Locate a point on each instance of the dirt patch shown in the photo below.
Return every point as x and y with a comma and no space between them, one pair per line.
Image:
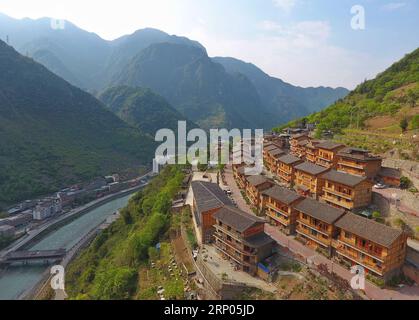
182,254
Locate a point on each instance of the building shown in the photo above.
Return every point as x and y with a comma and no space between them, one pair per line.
311,150
208,198
358,162
327,154
47,208
255,185
308,179
7,231
346,191
286,168
240,175
19,221
270,160
300,149
277,204
315,223
240,237
295,139
381,250
390,176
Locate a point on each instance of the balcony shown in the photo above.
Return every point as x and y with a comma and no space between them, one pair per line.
351,164
316,238
340,203
233,256
235,246
363,250
366,263
339,193
278,217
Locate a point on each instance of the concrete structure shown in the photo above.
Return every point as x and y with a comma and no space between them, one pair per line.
47,208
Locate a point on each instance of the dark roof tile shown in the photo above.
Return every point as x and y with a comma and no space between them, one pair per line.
319,210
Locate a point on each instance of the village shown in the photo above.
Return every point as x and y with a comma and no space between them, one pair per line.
313,209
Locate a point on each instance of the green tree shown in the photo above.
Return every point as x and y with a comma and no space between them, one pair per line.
404,124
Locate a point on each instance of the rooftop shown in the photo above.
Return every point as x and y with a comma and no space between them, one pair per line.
282,194
208,196
369,229
343,178
329,145
257,180
390,172
258,240
357,154
311,168
237,219
320,211
276,152
289,159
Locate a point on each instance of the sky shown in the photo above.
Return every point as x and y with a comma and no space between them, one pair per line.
303,42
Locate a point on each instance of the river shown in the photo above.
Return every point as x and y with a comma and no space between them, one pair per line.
17,279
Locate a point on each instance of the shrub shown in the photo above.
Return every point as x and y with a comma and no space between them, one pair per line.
405,183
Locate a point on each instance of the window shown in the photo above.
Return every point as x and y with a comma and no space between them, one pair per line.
347,235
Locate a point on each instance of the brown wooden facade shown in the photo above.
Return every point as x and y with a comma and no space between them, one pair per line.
327,154
346,191
358,162
286,168
308,177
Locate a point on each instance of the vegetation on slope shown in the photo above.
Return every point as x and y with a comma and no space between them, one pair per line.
142,108
110,267
53,134
395,90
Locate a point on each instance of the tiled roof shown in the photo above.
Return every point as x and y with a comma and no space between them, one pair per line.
209,196
311,168
368,229
329,145
257,180
281,194
258,240
237,219
320,211
289,159
276,152
343,178
357,154
389,172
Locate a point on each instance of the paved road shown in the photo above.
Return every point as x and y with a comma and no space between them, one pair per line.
310,255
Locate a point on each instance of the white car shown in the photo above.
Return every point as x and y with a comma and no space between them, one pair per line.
380,186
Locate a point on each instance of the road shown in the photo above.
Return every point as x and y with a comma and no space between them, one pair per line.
32,234
311,256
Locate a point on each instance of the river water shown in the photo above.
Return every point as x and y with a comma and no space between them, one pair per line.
17,279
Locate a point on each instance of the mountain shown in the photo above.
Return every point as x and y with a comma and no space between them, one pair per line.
195,86
54,134
219,92
280,96
142,108
393,95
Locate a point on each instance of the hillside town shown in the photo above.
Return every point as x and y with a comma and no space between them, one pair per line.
314,194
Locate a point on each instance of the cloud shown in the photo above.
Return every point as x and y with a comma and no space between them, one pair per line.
285,5
393,6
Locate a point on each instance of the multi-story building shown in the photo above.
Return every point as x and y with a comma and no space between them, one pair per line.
255,185
272,158
277,204
381,250
240,237
315,223
295,139
240,176
346,191
327,154
208,198
390,176
308,179
47,208
358,162
300,149
311,150
286,168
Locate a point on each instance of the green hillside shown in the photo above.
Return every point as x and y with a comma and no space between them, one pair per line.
142,108
393,93
53,134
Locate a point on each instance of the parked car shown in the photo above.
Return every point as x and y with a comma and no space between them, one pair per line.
380,186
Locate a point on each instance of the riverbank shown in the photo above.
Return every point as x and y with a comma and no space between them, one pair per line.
34,235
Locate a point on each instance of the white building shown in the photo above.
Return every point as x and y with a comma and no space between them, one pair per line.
47,208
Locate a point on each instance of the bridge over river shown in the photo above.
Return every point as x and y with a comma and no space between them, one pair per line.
28,256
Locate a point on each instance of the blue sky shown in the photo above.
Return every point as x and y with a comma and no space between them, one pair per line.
304,42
